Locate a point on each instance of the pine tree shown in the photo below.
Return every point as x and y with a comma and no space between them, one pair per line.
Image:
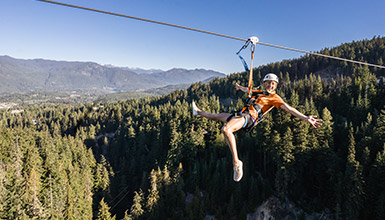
35,207
32,175
379,130
69,211
285,166
53,190
354,183
153,196
15,185
127,216
102,175
3,190
175,153
264,130
136,209
374,206
326,130
87,194
104,213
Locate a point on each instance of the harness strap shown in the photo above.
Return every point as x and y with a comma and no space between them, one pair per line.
263,115
253,41
244,63
241,58
244,125
251,70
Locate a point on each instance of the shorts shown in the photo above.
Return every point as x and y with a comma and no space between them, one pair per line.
249,121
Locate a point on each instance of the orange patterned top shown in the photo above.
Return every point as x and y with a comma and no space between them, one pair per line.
265,102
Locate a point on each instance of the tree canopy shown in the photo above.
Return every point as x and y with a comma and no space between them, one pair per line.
150,158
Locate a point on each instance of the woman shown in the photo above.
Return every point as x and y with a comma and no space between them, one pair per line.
255,107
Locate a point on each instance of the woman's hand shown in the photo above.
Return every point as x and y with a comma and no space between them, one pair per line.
312,119
242,88
237,86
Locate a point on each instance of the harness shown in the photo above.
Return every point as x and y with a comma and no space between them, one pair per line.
250,101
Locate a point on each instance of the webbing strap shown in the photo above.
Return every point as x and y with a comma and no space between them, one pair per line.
264,113
253,41
244,63
251,70
241,58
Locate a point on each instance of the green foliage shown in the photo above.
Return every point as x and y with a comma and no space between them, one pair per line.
104,213
150,159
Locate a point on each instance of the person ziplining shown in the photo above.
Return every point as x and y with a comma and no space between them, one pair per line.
260,102
257,104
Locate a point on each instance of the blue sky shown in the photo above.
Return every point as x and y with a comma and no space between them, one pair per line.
32,29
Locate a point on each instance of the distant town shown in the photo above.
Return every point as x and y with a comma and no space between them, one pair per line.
7,105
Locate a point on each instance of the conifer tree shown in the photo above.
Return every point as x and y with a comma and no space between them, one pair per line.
264,137
175,153
354,184
3,191
104,211
69,211
326,131
136,209
87,195
32,167
34,206
376,189
102,175
379,130
53,190
15,185
285,165
127,216
153,196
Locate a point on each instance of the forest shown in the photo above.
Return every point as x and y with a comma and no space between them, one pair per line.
150,158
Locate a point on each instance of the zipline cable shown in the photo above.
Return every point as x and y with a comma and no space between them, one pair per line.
119,200
141,19
117,196
211,33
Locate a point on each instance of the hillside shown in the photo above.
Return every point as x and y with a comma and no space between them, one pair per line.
40,75
151,159
183,76
371,51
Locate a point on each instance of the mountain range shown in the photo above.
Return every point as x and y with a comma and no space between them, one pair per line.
38,75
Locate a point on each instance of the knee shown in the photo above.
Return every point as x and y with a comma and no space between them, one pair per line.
225,130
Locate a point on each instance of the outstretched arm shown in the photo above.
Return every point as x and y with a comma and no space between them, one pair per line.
242,88
312,119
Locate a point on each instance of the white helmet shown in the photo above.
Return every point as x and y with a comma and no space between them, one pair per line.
270,76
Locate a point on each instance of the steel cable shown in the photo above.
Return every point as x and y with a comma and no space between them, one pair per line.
211,33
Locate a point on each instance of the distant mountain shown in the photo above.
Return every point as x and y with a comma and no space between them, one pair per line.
183,76
19,75
139,70
177,75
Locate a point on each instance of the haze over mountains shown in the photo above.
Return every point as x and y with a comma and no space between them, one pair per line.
36,75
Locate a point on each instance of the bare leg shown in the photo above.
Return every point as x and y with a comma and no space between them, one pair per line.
214,116
235,124
228,130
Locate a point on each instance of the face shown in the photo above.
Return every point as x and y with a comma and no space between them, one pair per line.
270,86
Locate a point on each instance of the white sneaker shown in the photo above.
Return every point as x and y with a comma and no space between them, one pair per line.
194,108
238,171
